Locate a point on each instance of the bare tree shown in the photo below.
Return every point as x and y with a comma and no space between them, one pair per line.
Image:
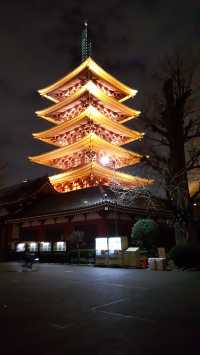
129,197
172,122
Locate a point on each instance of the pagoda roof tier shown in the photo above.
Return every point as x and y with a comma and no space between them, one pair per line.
89,120
77,78
89,148
94,174
88,96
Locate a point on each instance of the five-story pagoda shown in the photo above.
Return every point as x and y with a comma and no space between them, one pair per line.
88,115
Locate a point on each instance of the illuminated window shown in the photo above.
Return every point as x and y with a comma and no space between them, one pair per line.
45,246
20,247
60,246
33,247
101,244
114,243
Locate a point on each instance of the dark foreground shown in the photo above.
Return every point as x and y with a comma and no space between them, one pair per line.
87,310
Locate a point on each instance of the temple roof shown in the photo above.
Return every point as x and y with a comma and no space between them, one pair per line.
23,191
98,172
66,203
98,118
81,201
94,68
90,143
94,91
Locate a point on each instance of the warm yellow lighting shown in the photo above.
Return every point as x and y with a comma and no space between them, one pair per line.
93,90
89,64
94,144
100,171
98,118
88,113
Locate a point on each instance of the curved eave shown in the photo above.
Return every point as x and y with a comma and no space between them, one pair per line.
101,171
92,89
92,140
97,70
98,118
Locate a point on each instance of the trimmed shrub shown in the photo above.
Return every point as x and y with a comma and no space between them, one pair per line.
145,233
186,255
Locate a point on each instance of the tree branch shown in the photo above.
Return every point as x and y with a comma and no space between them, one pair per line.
161,141
192,136
159,130
192,167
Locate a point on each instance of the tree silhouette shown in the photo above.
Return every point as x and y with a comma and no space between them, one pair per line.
172,121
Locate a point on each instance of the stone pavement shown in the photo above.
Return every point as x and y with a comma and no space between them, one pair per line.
65,309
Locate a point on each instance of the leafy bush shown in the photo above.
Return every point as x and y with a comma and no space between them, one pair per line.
185,255
145,233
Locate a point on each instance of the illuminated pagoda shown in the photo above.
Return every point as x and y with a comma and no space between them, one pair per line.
88,113
59,217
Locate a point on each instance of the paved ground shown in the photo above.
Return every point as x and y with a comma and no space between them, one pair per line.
86,310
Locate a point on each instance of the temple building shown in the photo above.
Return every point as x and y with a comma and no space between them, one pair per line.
68,209
54,223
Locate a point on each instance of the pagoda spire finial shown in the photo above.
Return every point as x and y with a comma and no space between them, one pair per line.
86,44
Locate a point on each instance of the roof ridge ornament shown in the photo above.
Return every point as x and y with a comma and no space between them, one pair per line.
86,44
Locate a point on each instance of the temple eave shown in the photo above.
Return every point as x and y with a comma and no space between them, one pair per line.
90,65
94,174
88,148
91,89
94,117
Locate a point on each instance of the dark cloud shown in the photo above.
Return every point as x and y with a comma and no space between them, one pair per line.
40,42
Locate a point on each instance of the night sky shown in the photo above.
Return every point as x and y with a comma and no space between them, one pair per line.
40,43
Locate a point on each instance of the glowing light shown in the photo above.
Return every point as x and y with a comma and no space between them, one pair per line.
101,244
105,160
45,246
33,247
60,246
20,247
114,243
